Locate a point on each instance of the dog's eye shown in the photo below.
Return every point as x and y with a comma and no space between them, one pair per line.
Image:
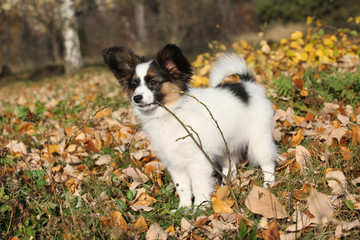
152,83
134,84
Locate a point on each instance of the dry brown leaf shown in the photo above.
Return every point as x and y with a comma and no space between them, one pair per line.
272,232
301,221
102,159
135,174
338,187
17,147
337,133
343,227
263,202
302,156
223,192
200,221
355,181
320,207
186,225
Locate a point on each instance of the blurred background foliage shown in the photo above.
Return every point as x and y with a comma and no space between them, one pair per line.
31,35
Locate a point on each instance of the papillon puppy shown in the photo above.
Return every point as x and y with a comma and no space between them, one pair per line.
241,110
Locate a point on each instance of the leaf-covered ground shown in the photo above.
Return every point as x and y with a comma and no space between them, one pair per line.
74,164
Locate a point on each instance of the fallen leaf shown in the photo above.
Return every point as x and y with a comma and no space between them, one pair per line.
337,133
144,200
296,140
302,156
301,221
140,225
102,159
263,202
223,192
338,187
186,225
272,232
343,227
222,206
320,207
117,218
135,174
17,147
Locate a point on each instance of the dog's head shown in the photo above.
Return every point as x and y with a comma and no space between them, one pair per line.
150,82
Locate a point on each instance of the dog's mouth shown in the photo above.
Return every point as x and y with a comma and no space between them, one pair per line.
146,106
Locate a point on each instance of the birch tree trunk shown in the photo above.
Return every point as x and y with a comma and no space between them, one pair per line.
142,35
72,54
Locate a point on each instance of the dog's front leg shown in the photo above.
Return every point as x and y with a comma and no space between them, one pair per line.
202,180
182,182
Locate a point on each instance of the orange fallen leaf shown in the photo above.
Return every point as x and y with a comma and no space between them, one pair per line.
296,140
144,200
140,225
304,92
272,232
355,134
221,206
298,119
170,229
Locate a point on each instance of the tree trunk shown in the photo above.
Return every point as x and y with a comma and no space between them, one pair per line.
72,54
142,36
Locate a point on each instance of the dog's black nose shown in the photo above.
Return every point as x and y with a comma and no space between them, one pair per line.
138,98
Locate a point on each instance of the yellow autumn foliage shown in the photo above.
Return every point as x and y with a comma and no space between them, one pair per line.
314,48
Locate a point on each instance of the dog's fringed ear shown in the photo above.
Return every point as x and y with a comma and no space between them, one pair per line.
173,61
122,62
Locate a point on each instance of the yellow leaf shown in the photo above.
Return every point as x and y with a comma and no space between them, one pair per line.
298,119
309,20
357,20
296,140
304,92
319,23
221,206
244,44
309,47
294,45
328,42
296,35
302,56
54,149
283,41
265,48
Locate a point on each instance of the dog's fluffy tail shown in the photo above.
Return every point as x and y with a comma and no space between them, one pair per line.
227,65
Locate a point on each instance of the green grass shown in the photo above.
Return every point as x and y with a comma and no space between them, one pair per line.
34,205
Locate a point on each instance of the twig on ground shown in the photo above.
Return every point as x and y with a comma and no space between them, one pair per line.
69,140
